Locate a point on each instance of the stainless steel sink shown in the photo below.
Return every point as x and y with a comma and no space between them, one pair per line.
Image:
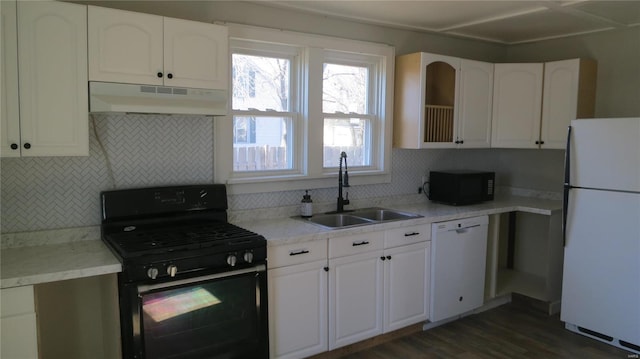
359,217
383,214
338,220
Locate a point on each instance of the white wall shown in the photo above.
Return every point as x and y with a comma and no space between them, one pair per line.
618,56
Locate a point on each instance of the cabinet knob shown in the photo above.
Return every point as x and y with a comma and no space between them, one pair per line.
159,74
389,257
170,75
27,145
383,258
542,142
14,146
461,141
326,269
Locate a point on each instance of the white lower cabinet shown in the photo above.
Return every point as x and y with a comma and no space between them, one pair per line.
19,329
325,295
355,298
406,286
297,280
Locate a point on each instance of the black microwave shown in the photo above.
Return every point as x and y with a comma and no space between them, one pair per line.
461,187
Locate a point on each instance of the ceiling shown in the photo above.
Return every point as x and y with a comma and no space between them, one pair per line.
506,22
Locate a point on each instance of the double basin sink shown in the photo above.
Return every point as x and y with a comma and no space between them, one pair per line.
359,217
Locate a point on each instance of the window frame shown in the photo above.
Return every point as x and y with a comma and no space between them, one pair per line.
312,52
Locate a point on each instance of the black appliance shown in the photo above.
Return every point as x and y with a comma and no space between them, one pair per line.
461,187
192,285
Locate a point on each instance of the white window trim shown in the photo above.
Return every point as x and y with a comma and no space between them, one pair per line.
314,176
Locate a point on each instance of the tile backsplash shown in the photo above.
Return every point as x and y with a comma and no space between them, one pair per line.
128,151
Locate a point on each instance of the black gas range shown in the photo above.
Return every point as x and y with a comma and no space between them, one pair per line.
192,284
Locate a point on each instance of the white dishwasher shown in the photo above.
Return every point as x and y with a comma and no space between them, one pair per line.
458,257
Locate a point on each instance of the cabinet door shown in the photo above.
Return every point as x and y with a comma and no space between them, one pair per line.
125,46
560,102
9,110
406,286
298,310
517,100
52,53
441,83
355,298
19,333
476,102
195,54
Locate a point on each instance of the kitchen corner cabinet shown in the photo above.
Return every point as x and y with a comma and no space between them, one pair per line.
51,92
442,102
517,104
534,103
137,48
297,280
19,327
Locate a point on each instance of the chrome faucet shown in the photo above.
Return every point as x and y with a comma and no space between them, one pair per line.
343,181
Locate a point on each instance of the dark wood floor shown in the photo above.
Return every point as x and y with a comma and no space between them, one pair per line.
509,331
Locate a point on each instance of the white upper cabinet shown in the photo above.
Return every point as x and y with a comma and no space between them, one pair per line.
10,114
52,80
195,54
534,103
442,102
569,93
517,99
476,102
138,48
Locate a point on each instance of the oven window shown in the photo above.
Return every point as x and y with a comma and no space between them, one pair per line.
203,319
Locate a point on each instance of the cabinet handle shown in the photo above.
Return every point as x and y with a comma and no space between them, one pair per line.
14,146
542,142
159,74
27,145
303,251
169,75
355,244
412,234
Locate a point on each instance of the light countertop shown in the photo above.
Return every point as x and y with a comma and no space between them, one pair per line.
29,258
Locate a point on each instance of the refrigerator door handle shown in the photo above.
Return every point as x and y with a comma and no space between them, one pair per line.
567,187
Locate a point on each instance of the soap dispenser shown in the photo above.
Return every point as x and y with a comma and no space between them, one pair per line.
306,208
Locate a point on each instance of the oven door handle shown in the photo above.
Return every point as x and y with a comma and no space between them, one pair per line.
143,288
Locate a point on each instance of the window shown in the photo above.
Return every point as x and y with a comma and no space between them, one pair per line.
298,101
261,103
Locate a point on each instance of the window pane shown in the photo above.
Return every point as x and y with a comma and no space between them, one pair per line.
348,135
262,143
344,89
260,82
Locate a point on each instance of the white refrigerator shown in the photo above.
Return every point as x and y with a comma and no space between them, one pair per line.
601,276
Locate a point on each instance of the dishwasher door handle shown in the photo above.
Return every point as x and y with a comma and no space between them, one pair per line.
465,229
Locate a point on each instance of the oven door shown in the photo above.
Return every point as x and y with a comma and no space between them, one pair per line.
221,315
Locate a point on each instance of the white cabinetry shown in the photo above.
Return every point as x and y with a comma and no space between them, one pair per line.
10,113
406,283
52,80
517,99
297,280
18,317
569,93
534,103
378,282
442,102
355,288
138,48
458,272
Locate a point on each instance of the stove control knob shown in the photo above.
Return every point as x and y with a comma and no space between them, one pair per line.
231,260
248,257
172,270
152,272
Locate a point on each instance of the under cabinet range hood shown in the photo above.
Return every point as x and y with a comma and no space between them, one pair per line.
130,98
